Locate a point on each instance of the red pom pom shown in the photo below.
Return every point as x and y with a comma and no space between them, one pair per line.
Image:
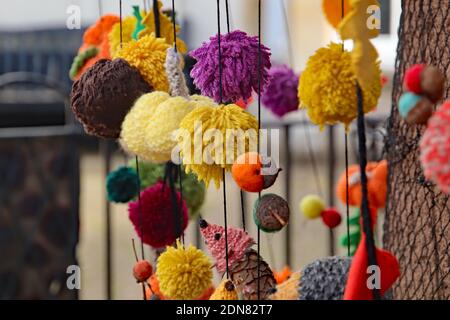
412,80
142,270
158,225
331,217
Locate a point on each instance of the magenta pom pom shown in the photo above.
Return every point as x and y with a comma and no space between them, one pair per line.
280,95
239,67
158,225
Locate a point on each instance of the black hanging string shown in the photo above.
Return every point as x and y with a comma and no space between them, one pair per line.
365,209
307,133
228,15
223,170
347,205
157,21
174,25
120,25
258,146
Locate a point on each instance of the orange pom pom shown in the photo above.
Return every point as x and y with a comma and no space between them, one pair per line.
376,186
333,10
283,275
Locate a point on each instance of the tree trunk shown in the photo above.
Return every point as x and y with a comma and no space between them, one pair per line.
417,226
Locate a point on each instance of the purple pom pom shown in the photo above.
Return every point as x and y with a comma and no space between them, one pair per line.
280,95
239,67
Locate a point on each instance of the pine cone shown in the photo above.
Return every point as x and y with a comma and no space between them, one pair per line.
244,274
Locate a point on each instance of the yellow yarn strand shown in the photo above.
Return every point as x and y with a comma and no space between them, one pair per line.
183,274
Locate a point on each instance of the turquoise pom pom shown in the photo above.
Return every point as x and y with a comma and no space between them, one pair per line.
407,101
122,185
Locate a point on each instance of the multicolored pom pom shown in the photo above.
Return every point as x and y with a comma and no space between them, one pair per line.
122,185
240,67
414,108
281,93
435,148
155,224
426,81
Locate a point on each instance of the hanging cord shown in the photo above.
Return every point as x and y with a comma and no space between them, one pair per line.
223,170
365,211
137,170
174,25
347,205
306,130
259,127
157,21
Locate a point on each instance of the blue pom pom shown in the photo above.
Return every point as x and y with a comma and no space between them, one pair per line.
407,101
122,185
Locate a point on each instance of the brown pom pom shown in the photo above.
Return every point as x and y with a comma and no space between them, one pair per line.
432,83
105,93
421,112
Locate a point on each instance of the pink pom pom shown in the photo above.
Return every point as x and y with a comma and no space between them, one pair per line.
435,148
158,224
412,80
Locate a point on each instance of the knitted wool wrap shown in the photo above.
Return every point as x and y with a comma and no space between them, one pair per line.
239,67
435,148
104,94
175,75
324,279
280,95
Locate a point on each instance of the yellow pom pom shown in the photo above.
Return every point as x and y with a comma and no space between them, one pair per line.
128,25
183,274
148,128
208,149
132,136
312,206
225,291
327,87
166,28
148,55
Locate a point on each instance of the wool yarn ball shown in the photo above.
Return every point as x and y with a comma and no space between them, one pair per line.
148,55
253,173
331,218
333,10
240,68
312,206
281,93
425,80
435,149
271,212
149,128
104,94
153,216
183,274
412,79
200,157
114,36
377,173
122,185
327,87
214,235
324,279
225,291
415,109
194,191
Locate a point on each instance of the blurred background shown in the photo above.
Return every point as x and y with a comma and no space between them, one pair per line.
53,208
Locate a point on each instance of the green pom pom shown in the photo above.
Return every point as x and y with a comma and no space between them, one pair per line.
355,233
194,191
122,185
80,60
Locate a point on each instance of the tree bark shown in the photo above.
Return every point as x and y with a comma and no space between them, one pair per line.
417,226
